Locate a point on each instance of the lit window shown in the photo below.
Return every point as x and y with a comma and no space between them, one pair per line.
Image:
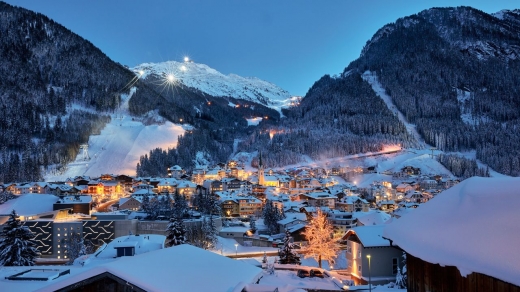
59,234
59,257
58,251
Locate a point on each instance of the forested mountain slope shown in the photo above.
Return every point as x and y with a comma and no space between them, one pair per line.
454,73
337,117
451,71
46,69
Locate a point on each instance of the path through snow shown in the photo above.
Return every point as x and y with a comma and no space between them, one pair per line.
371,78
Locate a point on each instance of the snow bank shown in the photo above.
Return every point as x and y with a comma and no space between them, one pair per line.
472,226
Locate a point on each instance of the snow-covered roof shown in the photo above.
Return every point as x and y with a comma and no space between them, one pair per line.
293,217
472,226
371,235
123,200
296,227
182,268
29,204
75,199
374,218
143,243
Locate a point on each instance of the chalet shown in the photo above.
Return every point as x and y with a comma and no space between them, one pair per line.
104,188
353,204
385,260
107,177
198,175
417,197
403,188
186,188
175,172
167,186
229,184
341,221
213,185
130,203
126,182
410,170
291,220
444,242
230,207
387,205
249,206
428,184
319,199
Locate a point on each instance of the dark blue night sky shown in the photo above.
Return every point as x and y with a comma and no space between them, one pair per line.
291,43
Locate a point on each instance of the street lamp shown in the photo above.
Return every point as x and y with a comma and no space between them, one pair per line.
236,249
369,277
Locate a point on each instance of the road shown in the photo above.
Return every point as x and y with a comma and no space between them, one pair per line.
104,206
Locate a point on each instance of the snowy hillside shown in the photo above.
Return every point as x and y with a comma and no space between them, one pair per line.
120,145
212,82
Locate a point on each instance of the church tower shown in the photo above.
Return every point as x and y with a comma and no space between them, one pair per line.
261,178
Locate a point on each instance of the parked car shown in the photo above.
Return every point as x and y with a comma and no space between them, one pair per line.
316,273
303,273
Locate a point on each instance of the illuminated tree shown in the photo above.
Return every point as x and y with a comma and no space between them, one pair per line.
321,244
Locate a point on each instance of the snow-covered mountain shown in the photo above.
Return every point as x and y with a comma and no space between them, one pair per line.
212,82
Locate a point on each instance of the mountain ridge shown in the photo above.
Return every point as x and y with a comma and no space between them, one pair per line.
212,82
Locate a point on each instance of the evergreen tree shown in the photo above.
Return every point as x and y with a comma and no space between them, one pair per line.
176,232
286,253
180,206
252,224
75,247
209,233
17,247
145,204
321,244
271,216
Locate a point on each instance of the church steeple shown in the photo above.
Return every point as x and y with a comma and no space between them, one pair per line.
261,178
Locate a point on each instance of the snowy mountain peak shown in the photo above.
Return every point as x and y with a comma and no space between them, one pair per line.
500,14
210,81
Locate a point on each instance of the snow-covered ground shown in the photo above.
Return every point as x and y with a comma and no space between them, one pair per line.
226,246
118,148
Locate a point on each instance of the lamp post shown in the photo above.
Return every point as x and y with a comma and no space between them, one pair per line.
369,276
236,249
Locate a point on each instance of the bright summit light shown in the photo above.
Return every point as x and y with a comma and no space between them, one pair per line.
186,59
141,72
170,78
183,68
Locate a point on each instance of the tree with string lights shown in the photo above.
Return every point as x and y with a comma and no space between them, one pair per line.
321,243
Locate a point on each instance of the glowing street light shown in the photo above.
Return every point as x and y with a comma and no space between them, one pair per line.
369,277
236,249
